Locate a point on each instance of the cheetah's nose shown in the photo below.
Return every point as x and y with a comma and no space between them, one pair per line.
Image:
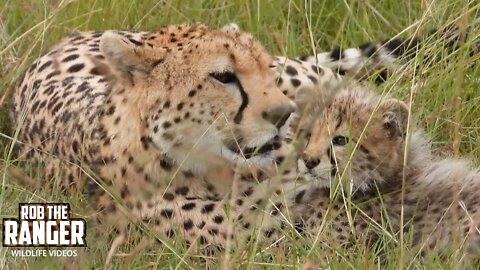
279,115
310,162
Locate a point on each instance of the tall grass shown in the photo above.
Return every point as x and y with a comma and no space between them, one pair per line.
444,102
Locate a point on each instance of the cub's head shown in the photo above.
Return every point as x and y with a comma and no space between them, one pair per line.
197,91
360,138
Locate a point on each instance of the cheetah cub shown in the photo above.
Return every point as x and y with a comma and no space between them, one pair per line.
362,141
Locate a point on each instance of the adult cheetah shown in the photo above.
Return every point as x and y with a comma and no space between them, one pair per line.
160,118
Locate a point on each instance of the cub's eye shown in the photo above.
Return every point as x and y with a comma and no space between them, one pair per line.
225,77
340,140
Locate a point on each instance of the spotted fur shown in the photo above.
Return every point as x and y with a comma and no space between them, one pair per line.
360,141
157,123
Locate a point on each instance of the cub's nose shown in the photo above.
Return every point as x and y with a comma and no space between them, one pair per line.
279,114
310,162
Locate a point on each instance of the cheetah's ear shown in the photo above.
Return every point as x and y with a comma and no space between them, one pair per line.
395,117
231,27
129,57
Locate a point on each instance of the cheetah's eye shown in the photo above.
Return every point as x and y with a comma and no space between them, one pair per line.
225,77
339,140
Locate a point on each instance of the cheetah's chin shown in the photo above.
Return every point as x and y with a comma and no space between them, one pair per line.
260,156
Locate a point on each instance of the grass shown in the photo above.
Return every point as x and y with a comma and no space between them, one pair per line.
445,104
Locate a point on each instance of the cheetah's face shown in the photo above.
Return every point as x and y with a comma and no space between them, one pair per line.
360,139
202,91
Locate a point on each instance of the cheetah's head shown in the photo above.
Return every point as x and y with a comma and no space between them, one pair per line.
197,91
360,138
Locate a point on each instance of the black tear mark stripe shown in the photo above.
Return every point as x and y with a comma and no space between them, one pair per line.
239,116
331,156
333,162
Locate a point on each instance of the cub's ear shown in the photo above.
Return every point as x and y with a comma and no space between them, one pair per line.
311,103
314,100
394,117
305,98
129,57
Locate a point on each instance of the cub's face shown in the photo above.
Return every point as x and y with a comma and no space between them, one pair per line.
359,139
201,91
